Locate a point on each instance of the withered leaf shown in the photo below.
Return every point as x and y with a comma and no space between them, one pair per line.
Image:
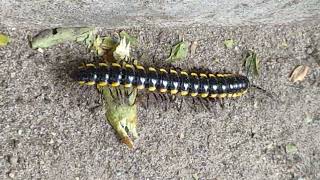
121,113
133,41
178,52
299,73
50,37
193,47
251,63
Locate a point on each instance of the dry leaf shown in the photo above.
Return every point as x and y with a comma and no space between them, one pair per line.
193,47
299,73
121,113
178,52
50,37
122,51
252,63
133,41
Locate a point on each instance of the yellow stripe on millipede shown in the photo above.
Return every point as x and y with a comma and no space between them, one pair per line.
102,84
223,95
129,66
140,87
116,65
194,74
90,83
203,75
184,73
163,70
173,71
103,64
194,94
152,89
90,65
140,67
184,93
115,84
213,95
163,90
174,91
204,95
128,85
152,69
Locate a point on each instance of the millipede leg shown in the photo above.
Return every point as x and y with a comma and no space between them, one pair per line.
111,93
117,92
165,100
221,103
206,104
148,97
172,98
156,98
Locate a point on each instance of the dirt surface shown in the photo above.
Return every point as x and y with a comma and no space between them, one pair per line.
169,13
52,129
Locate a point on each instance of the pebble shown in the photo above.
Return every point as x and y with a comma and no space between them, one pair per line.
11,175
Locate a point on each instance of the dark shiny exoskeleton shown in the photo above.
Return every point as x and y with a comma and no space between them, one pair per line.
213,85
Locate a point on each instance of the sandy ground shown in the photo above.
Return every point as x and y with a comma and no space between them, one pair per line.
49,128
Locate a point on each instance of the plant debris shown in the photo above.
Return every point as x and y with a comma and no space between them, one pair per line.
122,50
284,44
51,37
130,39
4,40
228,43
121,113
193,47
291,148
251,63
299,73
178,52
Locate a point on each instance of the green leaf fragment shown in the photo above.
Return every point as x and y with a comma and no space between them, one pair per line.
229,43
251,63
121,113
291,148
133,41
51,37
96,47
4,40
178,52
195,177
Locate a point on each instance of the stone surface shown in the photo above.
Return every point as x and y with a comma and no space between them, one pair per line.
123,13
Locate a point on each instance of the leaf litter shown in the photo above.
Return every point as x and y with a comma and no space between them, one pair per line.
252,63
178,52
299,73
120,112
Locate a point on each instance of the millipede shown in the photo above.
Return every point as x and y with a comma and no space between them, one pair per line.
162,80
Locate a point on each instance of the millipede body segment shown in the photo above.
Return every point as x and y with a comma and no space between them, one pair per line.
195,84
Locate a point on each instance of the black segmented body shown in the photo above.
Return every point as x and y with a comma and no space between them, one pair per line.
164,81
